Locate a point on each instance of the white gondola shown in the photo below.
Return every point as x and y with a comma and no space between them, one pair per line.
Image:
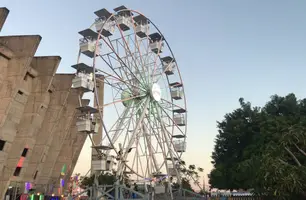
159,188
156,43
142,26
86,122
176,93
83,81
169,65
169,68
124,22
142,30
172,169
95,126
108,27
84,78
83,124
157,46
103,16
179,119
98,165
22,96
124,18
103,164
87,46
88,43
179,145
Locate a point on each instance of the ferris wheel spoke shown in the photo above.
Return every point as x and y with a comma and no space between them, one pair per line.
120,128
126,60
174,123
160,141
164,70
165,135
171,103
119,58
122,100
127,77
109,64
120,69
157,56
160,137
135,132
137,49
137,156
116,128
113,86
118,78
159,144
164,129
127,48
138,146
147,139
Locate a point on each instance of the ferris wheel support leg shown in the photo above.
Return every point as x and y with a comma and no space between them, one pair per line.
117,190
95,190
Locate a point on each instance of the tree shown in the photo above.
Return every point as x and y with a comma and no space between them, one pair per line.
263,148
103,179
189,174
233,144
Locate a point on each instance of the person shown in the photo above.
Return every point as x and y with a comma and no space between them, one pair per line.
127,192
135,187
134,195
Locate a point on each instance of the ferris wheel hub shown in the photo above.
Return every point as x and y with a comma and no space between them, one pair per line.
156,92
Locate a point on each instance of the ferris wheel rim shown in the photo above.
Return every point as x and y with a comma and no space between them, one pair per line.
95,85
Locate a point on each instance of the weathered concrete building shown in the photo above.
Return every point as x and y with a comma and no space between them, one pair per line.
38,116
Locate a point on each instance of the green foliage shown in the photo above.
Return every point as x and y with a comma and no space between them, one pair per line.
189,174
103,179
185,184
262,148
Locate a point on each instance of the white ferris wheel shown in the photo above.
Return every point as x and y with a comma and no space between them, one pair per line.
142,110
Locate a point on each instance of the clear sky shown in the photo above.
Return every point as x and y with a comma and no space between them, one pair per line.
226,49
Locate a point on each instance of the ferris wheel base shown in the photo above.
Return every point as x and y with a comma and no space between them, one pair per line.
121,192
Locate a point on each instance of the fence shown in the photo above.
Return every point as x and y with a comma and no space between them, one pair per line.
237,198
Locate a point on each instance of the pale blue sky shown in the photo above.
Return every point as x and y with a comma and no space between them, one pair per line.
225,49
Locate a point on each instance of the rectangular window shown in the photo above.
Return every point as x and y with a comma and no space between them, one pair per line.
2,143
17,171
28,75
24,152
20,92
4,56
35,175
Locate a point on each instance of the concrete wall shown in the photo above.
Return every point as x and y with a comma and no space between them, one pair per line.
69,152
67,122
37,113
55,111
34,113
15,59
3,15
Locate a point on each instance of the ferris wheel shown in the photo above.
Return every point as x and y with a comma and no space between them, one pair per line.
140,114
